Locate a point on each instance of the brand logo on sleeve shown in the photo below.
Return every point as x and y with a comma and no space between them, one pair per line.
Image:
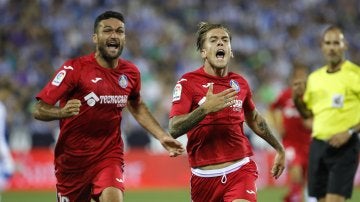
59,78
69,67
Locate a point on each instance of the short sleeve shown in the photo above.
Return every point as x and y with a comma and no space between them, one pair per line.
63,81
181,99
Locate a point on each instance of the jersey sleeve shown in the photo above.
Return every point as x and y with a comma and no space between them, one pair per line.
135,93
249,104
182,99
63,82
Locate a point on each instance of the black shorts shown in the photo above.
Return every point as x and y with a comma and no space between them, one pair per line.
332,170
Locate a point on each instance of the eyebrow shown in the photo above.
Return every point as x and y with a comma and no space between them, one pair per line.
222,37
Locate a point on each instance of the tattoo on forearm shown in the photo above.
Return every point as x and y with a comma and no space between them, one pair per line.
185,124
265,132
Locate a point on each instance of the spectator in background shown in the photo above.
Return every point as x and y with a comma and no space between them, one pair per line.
93,90
331,97
295,134
211,105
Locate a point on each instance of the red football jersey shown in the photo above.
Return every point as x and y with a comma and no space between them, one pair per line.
94,134
295,133
219,137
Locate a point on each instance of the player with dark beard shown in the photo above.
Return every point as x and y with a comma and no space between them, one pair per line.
92,91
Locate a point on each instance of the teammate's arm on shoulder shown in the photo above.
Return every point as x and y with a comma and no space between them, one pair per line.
47,112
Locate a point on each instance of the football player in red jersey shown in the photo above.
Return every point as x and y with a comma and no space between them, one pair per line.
210,105
295,134
92,91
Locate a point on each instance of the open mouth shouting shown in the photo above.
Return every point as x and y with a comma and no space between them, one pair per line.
220,54
113,46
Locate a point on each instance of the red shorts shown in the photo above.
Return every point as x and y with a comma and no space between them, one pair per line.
81,187
296,156
239,184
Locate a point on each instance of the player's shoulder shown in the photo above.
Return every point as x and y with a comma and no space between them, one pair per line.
78,63
236,76
126,65
187,77
352,66
317,72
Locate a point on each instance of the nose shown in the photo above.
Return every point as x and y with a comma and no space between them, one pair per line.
220,43
113,35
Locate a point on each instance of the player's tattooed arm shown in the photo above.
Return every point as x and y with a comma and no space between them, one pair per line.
258,124
179,125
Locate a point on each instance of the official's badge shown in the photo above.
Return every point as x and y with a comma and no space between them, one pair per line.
123,81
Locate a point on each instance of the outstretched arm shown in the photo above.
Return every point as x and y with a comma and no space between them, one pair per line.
46,112
179,125
258,124
143,116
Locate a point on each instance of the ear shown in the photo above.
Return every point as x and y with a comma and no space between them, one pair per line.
203,53
231,54
94,38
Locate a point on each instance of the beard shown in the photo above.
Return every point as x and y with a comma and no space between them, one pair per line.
108,56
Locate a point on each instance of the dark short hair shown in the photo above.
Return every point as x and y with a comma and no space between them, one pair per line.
203,28
107,15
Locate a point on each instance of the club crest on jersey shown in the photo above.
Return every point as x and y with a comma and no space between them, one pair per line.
177,92
59,78
235,85
123,81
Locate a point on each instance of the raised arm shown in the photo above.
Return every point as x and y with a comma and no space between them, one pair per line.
179,125
46,112
258,124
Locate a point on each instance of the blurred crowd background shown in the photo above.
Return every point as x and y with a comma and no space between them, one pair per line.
269,37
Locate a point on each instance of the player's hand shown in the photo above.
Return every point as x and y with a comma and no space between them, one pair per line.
173,146
217,102
279,164
339,139
71,108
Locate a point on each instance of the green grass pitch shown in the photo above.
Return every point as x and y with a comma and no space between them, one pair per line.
156,195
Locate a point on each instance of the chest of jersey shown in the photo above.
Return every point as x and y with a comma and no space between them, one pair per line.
228,115
104,88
